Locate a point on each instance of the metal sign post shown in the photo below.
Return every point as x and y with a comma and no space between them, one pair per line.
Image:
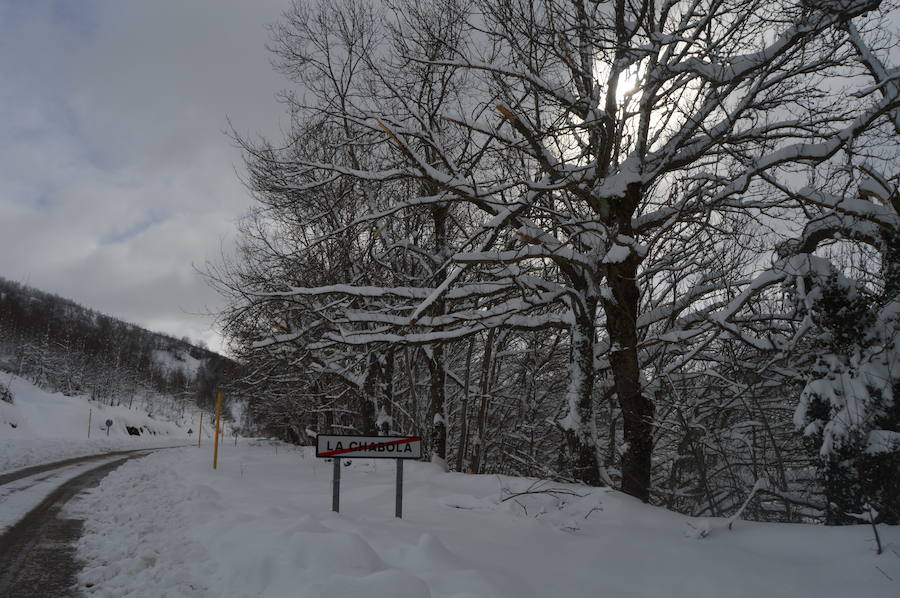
368,447
398,498
336,485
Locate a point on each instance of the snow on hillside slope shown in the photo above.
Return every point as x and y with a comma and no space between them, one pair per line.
40,426
261,525
181,361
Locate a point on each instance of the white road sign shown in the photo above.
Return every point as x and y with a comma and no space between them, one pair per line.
369,447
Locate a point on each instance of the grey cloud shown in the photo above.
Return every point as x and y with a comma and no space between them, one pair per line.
115,174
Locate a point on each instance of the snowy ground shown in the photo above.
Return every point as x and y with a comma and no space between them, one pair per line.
261,525
39,427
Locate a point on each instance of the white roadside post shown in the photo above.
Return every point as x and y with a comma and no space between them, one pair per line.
337,447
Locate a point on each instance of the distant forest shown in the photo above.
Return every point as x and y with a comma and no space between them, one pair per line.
64,347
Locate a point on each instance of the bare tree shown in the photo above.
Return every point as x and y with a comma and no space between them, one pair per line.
585,177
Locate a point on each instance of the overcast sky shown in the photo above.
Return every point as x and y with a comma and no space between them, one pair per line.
116,177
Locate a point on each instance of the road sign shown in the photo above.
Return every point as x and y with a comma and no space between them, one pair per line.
369,447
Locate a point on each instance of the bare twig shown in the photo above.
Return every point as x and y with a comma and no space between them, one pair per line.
534,488
883,573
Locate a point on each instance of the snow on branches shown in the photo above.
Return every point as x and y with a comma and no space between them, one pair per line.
602,170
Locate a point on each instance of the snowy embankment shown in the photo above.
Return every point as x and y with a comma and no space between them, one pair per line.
39,427
261,525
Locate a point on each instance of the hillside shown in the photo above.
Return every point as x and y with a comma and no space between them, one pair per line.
64,347
37,426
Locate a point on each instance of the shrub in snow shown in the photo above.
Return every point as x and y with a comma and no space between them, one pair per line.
848,410
5,393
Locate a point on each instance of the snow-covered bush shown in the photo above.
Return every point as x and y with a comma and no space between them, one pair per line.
5,393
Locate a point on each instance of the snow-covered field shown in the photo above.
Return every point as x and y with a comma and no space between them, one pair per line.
261,525
167,525
39,427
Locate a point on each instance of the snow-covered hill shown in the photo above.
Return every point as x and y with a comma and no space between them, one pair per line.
261,525
172,361
62,346
40,426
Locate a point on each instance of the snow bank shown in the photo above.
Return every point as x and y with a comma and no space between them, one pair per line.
167,525
39,426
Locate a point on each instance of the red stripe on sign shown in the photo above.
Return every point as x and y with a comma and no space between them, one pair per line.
369,447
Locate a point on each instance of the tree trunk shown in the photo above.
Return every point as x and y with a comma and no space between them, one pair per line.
436,411
412,397
484,385
328,424
378,391
386,388
464,410
580,452
637,409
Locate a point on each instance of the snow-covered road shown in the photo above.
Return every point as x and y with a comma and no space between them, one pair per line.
23,489
167,525
21,495
37,553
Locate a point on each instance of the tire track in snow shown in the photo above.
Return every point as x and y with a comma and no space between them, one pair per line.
25,472
37,554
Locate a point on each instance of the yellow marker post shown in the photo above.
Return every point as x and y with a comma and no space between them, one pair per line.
200,430
218,416
90,413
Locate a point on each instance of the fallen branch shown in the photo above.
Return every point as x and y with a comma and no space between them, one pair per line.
761,484
534,488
